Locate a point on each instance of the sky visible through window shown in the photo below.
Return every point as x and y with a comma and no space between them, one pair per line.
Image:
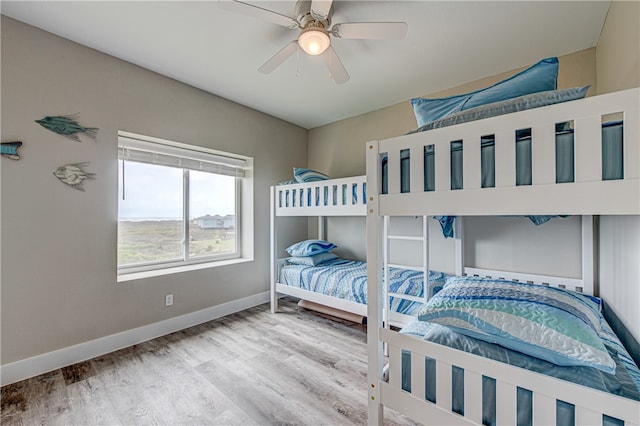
155,192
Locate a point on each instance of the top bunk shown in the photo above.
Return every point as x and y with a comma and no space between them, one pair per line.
559,159
330,197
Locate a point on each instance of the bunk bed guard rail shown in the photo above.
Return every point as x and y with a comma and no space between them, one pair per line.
506,197
334,197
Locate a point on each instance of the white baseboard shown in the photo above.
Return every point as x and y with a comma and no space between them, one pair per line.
39,364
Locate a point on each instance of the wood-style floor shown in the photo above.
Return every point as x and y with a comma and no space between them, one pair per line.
250,368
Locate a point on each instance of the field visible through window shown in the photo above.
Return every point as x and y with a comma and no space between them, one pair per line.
162,240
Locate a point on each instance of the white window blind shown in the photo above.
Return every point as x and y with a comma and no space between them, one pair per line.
172,156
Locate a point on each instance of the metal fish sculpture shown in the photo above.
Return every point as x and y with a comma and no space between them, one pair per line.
10,149
74,175
67,126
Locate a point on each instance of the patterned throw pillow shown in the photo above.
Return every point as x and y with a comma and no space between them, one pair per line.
307,175
553,324
310,248
315,260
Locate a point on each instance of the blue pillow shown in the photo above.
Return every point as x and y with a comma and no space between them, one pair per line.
308,175
428,110
310,248
556,325
316,259
539,77
520,103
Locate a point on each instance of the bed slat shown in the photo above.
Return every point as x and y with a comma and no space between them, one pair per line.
588,133
543,154
544,410
470,167
395,366
417,376
505,403
416,170
442,162
585,416
473,396
505,154
443,389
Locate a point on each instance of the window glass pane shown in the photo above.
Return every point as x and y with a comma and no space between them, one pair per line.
212,214
150,217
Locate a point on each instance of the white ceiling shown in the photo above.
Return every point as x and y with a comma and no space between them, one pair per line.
448,43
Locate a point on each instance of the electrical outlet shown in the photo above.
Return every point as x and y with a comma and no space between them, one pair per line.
168,300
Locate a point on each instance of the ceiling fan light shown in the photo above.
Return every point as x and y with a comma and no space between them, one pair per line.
314,42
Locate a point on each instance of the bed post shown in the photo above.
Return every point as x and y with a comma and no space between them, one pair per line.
589,254
273,252
426,289
374,286
459,246
322,230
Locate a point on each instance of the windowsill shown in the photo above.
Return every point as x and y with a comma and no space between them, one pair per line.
131,276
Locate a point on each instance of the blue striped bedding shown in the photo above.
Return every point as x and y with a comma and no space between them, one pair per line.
554,324
625,382
462,311
347,279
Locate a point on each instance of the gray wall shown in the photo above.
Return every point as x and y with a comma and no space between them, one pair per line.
59,245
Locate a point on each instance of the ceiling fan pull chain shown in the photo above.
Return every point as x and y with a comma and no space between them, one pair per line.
297,63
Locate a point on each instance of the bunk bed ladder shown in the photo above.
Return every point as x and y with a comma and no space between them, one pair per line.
424,267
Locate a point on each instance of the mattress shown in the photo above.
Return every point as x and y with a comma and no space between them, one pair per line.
347,280
625,382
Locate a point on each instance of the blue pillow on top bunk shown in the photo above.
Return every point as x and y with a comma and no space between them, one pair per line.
307,175
310,248
315,260
553,324
520,103
540,77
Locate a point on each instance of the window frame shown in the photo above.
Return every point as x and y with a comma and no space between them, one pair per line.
166,266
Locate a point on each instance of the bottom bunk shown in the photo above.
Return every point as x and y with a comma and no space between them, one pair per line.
560,362
342,284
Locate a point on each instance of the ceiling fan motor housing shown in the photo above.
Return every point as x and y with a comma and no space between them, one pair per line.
304,17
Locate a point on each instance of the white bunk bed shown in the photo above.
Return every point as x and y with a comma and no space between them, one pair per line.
332,197
337,197
587,195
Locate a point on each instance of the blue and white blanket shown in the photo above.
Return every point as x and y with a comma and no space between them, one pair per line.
347,279
519,323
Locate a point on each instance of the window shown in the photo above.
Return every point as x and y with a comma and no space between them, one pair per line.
178,205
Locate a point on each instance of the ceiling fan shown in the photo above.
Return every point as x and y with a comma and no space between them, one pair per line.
313,19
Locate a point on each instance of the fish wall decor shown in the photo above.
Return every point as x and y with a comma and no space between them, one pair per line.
67,126
10,149
74,175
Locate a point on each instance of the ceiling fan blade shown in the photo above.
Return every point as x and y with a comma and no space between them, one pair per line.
371,30
258,12
279,58
333,63
320,9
